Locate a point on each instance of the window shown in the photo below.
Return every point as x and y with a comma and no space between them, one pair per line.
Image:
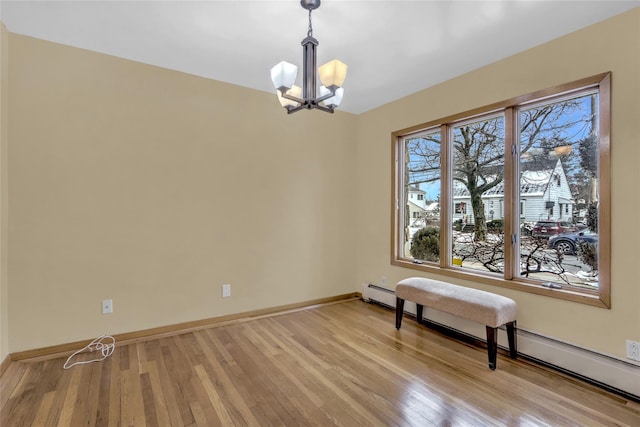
420,196
461,208
422,170
547,149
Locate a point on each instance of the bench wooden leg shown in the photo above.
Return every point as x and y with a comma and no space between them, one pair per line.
399,312
419,310
511,334
492,346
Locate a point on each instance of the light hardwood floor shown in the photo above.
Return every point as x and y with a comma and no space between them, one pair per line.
336,364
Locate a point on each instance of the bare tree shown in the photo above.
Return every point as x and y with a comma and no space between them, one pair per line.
478,164
479,149
534,258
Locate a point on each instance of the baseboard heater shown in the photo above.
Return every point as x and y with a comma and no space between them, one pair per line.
606,371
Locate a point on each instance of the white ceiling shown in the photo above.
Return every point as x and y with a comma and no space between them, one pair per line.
392,48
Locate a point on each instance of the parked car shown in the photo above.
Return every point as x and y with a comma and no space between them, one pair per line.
548,228
567,243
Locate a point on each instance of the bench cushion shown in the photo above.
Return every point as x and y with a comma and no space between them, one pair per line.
473,304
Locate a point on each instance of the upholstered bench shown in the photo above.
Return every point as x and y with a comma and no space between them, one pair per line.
482,307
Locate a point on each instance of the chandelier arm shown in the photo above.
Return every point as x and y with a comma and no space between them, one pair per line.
291,109
327,96
323,108
284,94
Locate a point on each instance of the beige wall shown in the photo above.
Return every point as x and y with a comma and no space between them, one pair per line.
153,188
4,113
613,45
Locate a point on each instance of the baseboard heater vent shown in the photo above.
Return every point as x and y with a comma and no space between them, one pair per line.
379,295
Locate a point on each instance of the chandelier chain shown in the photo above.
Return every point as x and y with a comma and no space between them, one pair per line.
310,30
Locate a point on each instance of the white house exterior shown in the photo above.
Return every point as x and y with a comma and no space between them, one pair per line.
417,205
544,194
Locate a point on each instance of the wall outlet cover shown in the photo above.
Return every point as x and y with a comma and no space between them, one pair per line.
633,350
107,306
226,291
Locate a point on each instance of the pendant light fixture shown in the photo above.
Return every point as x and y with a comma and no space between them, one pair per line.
332,74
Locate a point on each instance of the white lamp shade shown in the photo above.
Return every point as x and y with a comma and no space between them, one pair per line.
333,73
335,100
284,75
294,91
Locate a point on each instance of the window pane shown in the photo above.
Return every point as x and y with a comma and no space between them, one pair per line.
478,195
422,197
559,188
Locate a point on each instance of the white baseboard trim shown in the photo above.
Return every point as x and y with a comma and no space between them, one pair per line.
606,370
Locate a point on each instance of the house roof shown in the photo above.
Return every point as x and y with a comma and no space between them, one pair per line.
432,206
535,176
416,207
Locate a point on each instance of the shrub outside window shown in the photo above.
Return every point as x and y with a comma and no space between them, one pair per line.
515,194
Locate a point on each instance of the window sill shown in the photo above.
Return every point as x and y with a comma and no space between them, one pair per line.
567,294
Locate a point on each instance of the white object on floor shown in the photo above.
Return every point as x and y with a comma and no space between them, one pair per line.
106,349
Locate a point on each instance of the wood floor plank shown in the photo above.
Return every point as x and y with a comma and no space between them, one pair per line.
150,410
131,398
341,364
114,388
163,392
322,373
235,399
103,401
43,410
157,394
284,370
27,395
175,380
70,393
87,398
198,414
10,380
217,335
59,392
214,397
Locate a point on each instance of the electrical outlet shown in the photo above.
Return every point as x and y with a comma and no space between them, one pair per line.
226,290
107,306
384,281
633,350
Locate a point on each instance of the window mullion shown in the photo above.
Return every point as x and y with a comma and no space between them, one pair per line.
398,214
446,227
604,175
511,195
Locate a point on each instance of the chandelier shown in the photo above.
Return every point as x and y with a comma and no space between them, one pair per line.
332,74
